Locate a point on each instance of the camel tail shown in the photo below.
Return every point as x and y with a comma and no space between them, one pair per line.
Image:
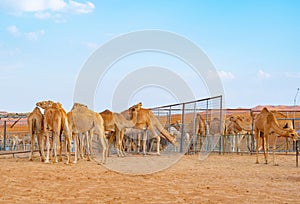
33,126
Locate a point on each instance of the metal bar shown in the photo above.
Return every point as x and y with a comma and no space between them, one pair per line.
297,151
4,135
15,122
177,104
169,119
182,128
206,127
194,136
221,126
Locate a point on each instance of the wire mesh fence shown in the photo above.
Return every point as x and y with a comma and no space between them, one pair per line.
14,135
197,125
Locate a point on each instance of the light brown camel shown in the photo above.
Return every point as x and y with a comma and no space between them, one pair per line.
243,124
35,124
116,123
56,122
147,120
83,120
266,123
237,125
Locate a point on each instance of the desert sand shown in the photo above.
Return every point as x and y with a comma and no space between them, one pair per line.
229,178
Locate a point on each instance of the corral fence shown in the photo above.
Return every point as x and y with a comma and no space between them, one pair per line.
244,142
197,125
184,119
14,135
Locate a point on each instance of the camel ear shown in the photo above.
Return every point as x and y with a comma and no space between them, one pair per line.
139,105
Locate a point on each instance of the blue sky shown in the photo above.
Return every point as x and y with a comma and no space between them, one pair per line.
254,45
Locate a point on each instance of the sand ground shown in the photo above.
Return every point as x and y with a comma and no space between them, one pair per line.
227,178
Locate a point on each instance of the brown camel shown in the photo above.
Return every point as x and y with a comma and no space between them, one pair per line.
238,125
147,120
116,123
56,122
35,124
266,123
243,124
83,120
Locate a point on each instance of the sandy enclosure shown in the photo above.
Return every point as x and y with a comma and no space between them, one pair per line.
218,179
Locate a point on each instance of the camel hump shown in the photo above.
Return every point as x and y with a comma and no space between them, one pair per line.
264,110
107,115
79,104
106,112
271,118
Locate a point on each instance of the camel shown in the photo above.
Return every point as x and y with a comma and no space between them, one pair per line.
236,125
35,124
243,124
266,123
116,124
83,120
147,120
56,122
133,138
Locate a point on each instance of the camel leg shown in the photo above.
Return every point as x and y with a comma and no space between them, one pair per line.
275,163
267,148
48,147
68,135
81,144
264,148
68,149
118,142
75,139
145,142
151,145
138,142
257,134
41,146
32,146
60,147
158,145
122,142
55,146
88,145
91,143
104,145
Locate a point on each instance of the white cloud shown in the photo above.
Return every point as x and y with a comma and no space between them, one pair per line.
43,15
226,75
263,75
32,35
13,30
35,35
46,9
90,45
80,8
293,75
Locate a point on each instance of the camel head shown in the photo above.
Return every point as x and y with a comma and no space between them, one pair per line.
45,104
135,108
291,133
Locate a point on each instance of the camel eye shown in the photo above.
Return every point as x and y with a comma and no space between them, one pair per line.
292,134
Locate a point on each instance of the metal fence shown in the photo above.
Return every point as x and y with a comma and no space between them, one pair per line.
14,135
245,142
197,125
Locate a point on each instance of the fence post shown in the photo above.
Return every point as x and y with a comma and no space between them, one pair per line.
182,128
4,135
221,126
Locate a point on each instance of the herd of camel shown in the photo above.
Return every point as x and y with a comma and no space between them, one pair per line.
80,124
